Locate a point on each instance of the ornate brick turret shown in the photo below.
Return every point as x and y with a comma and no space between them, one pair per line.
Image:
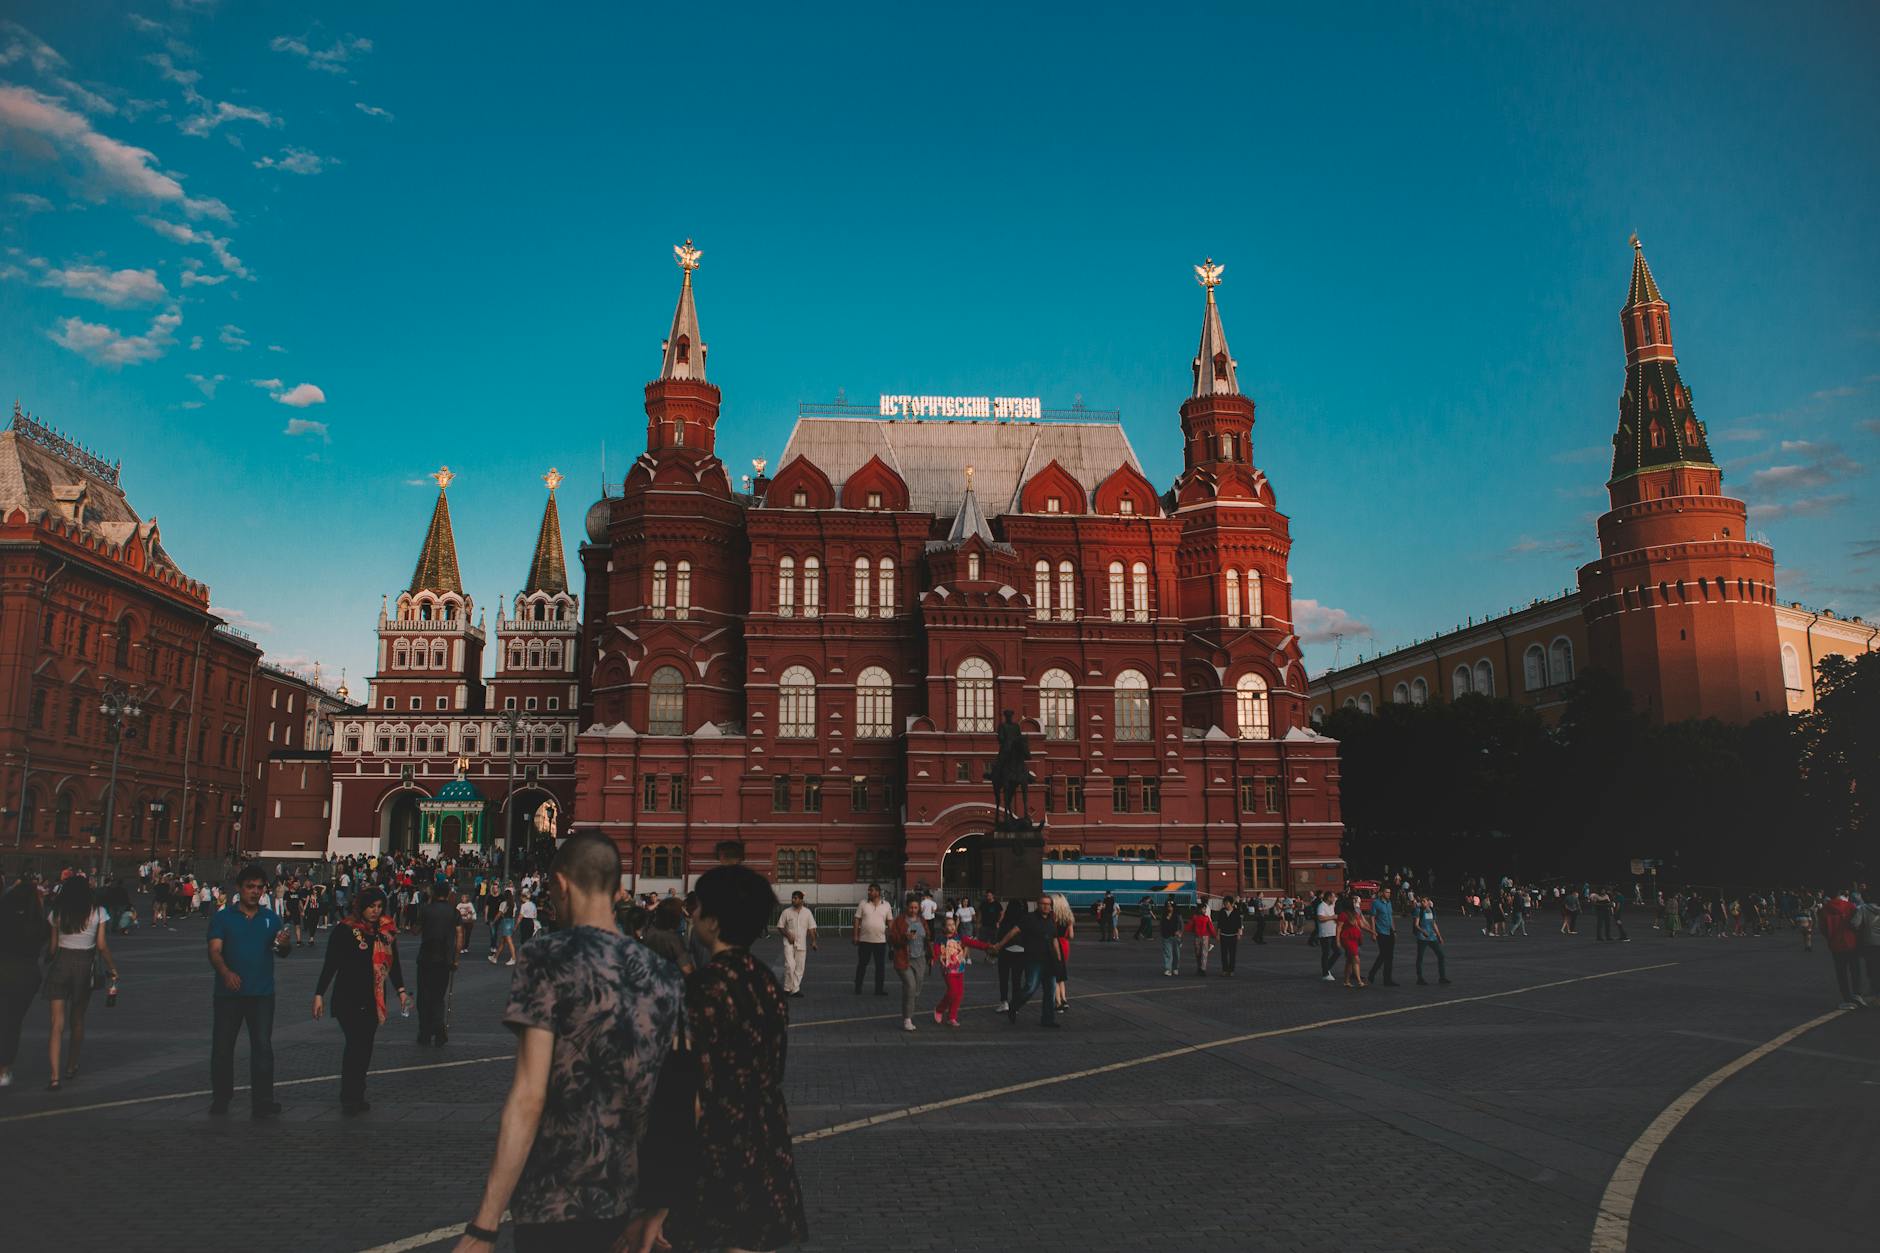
1681,603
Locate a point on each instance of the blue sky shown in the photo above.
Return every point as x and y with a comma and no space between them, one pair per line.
283,260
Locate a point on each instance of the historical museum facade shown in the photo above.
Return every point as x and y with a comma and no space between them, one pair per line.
817,665
109,653
439,757
1681,603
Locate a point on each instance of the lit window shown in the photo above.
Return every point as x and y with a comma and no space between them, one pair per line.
972,698
864,584
659,589
1067,591
887,587
1233,598
796,713
786,587
1054,504
812,587
1251,708
1126,505
1116,591
1041,590
1057,705
800,498
874,705
1256,599
682,591
1139,591
972,567
1132,706
874,500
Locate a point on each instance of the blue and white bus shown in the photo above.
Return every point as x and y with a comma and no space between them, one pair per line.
1083,882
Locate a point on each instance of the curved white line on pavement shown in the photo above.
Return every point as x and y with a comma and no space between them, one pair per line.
1612,1230
825,1133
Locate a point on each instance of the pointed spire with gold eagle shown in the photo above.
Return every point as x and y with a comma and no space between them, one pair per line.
437,560
1214,364
548,571
684,348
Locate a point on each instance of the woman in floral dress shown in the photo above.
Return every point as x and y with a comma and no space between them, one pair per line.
735,1185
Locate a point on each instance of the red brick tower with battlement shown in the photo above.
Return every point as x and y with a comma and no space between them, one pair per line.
1681,601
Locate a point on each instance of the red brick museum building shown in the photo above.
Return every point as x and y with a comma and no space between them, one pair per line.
817,665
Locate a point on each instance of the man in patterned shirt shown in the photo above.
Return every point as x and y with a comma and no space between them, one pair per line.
594,1013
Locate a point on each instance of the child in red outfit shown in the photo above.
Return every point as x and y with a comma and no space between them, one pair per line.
950,958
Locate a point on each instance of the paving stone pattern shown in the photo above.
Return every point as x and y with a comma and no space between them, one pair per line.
1470,1124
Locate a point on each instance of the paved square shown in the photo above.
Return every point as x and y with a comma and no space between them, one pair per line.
1262,1111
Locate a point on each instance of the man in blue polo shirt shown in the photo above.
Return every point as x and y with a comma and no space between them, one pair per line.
1385,926
244,938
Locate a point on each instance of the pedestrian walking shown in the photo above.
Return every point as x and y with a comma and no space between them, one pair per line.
22,940
594,1015
662,934
244,939
798,926
870,937
361,958
76,944
1351,928
1325,933
729,1180
503,933
1837,930
1429,937
950,957
437,962
1384,931
1169,925
1201,933
1145,918
907,943
1229,925
1036,933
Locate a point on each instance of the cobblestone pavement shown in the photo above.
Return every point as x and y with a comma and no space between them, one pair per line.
1266,1110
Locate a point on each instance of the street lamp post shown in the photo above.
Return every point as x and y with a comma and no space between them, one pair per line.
119,705
157,810
510,723
236,807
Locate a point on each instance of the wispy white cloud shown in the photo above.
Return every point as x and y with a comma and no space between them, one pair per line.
28,202
194,235
1816,465
272,385
1805,507
39,125
231,337
237,618
1319,624
307,426
331,59
107,346
115,289
373,110
1559,546
206,383
217,113
301,395
195,343
21,46
194,277
296,161
171,72
276,348
1581,456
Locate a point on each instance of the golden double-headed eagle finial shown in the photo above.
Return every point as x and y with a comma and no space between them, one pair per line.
687,256
443,477
553,478
1208,274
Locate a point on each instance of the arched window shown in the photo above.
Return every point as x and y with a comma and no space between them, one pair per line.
812,587
660,861
786,587
1227,444
554,656
682,591
1791,668
1139,591
1419,692
1251,708
437,656
972,696
1116,591
1041,590
1233,598
400,658
515,657
1364,702
1256,599
665,702
1534,667
1400,695
1318,715
886,569
1560,660
1067,591
864,586
1057,705
1132,706
1259,866
678,433
535,656
1655,433
796,713
659,589
1459,682
62,816
123,645
1484,678
874,705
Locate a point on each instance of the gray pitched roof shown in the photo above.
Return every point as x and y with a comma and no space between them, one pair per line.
37,480
932,455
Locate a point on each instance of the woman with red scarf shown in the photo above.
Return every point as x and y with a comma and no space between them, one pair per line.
361,957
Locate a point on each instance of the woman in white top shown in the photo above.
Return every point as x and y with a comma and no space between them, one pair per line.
75,938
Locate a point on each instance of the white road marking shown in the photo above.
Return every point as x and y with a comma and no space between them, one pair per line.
1612,1230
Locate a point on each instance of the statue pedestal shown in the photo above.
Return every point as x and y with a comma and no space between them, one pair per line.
1017,848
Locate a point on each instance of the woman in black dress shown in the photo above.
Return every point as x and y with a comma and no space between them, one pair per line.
727,1180
361,958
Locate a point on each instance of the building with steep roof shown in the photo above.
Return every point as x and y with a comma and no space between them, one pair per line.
432,720
93,605
1681,603
817,665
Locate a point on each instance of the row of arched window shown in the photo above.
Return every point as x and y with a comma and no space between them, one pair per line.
679,590
419,655
1066,590
535,656
1256,608
1549,666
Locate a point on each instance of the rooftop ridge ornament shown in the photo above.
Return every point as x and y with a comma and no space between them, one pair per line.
443,477
687,256
553,478
63,448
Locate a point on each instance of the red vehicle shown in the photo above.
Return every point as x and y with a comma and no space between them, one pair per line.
1364,890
